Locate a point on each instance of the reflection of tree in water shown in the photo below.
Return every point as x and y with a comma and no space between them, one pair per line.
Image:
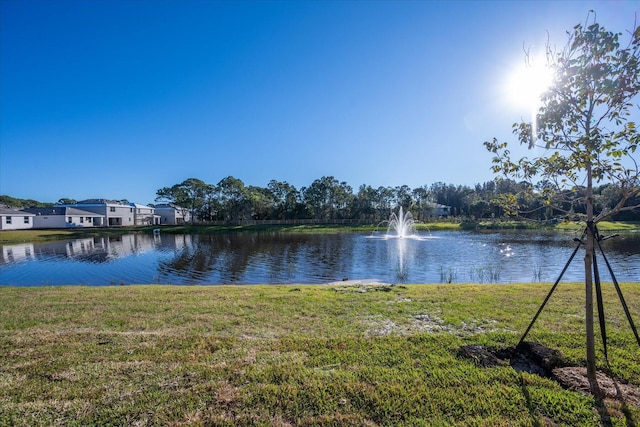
331,257
280,255
227,258
195,260
624,244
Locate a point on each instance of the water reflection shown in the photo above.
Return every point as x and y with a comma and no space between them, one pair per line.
499,257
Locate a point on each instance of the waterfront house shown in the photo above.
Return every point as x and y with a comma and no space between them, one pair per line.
144,215
115,213
171,214
14,219
64,217
440,210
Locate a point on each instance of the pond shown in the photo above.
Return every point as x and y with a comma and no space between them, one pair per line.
288,258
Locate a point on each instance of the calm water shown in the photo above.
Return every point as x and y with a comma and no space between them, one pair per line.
252,258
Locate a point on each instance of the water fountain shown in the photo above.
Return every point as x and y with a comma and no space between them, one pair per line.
401,225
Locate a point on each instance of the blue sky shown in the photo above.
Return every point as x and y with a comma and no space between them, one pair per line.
116,99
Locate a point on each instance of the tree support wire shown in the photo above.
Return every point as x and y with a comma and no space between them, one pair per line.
619,291
598,238
553,288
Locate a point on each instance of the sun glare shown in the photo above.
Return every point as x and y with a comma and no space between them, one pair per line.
525,86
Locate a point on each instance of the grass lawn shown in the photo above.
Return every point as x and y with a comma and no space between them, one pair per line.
299,355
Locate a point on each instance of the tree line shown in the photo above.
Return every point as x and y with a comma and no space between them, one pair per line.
328,198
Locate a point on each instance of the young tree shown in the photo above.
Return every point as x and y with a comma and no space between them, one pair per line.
586,130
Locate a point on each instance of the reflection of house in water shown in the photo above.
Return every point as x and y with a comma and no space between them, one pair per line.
17,253
174,241
91,249
130,244
77,248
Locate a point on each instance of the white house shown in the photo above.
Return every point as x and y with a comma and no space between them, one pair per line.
116,214
14,219
64,217
439,210
171,214
145,215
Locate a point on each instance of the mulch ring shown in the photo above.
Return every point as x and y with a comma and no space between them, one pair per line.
537,359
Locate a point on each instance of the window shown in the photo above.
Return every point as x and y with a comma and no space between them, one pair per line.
88,219
69,220
26,220
8,220
112,209
81,220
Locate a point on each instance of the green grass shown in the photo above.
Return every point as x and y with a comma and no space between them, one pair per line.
603,226
20,236
297,355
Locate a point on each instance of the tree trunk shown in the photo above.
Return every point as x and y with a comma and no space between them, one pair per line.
588,273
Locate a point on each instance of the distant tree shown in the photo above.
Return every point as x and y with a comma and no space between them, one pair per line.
14,202
189,195
421,199
363,204
451,195
260,201
285,199
404,197
585,129
66,201
386,202
234,199
327,197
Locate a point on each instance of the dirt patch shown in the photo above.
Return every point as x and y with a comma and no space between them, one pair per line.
430,323
538,359
575,378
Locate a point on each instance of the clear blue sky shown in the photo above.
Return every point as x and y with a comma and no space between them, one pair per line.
116,99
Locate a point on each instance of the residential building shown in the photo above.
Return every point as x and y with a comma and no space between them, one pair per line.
439,210
145,215
64,217
14,219
116,214
171,214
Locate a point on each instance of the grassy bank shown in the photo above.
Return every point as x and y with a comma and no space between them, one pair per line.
298,355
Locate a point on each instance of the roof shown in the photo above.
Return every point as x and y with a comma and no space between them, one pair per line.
167,206
99,202
12,211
